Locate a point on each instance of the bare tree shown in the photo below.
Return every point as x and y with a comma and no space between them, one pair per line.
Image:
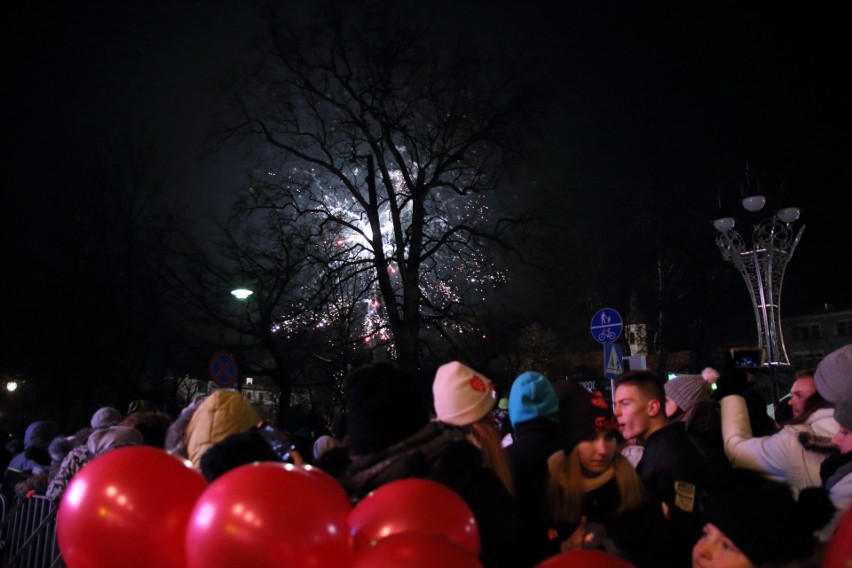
386,140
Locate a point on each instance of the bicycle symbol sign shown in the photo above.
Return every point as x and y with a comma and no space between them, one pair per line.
606,325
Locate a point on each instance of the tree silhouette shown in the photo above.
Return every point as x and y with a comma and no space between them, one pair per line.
386,142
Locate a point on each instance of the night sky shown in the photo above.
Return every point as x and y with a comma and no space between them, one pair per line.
667,101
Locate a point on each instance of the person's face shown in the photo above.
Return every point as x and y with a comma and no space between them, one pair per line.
801,390
714,550
596,454
632,411
843,440
671,407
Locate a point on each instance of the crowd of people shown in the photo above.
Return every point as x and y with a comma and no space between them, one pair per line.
669,474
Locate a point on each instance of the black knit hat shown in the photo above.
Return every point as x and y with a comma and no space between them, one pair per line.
765,521
233,451
383,406
582,414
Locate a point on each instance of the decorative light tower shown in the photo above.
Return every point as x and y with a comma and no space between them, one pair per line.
762,265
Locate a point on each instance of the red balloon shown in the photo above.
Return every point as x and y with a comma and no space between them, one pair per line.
838,554
585,559
334,489
414,505
415,550
128,507
268,514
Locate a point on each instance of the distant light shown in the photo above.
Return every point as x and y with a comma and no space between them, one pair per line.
241,293
789,214
12,386
724,224
754,203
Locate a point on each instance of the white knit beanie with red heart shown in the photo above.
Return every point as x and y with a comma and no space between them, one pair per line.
461,395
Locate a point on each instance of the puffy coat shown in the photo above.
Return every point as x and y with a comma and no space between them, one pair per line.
782,456
222,413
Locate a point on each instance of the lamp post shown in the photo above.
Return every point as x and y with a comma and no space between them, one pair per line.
241,294
762,264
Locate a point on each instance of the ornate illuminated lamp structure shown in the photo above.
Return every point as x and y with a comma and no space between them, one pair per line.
762,264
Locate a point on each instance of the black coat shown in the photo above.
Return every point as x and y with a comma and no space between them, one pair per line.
534,442
676,472
641,535
442,454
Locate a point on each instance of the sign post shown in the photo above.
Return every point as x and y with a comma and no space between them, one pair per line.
606,327
223,369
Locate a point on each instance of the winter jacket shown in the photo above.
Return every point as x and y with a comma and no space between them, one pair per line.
782,456
441,453
534,442
677,474
641,536
222,413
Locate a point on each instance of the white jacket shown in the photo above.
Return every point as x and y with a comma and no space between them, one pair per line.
780,456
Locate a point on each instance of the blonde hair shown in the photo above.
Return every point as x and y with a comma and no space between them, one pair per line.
566,490
486,437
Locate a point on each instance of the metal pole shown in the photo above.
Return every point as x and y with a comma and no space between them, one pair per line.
762,266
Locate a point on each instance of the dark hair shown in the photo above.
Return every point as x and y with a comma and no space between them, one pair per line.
811,405
805,373
649,383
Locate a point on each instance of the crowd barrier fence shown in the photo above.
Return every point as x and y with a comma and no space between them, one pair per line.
28,535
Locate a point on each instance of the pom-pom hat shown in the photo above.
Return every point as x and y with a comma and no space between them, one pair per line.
687,390
765,521
582,414
461,395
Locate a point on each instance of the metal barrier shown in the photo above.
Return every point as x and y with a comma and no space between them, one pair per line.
28,535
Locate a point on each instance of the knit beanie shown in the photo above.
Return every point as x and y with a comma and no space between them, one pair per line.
833,376
687,390
234,450
843,411
111,437
532,396
582,415
461,395
383,406
765,521
105,417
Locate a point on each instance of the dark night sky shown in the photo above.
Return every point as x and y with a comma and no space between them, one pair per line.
665,98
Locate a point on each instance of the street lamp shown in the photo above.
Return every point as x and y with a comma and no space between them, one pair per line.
241,294
762,264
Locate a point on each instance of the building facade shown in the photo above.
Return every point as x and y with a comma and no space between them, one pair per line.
810,337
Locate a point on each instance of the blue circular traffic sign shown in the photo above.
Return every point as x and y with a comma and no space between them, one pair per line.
223,368
606,325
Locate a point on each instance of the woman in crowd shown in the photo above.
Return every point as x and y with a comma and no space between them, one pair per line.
464,398
597,499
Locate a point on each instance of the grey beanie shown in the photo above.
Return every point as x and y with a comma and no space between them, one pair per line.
105,417
687,390
833,376
843,411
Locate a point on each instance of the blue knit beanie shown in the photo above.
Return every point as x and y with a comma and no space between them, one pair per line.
532,396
